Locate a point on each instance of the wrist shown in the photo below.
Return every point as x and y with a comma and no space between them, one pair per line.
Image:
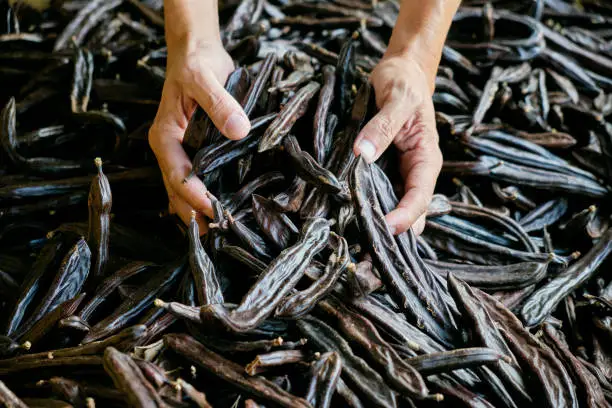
420,33
191,23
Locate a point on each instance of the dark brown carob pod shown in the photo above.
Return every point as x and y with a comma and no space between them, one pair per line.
128,378
100,202
274,283
196,353
207,288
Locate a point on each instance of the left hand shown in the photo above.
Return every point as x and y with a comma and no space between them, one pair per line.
406,117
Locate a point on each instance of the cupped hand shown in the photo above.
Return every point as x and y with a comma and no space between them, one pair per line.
406,118
195,75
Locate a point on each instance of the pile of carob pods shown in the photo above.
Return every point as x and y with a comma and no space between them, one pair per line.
299,295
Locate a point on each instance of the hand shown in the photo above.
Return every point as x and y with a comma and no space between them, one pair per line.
406,118
195,74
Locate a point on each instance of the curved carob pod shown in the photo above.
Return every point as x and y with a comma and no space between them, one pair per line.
50,320
66,284
131,308
100,202
207,287
355,370
128,378
259,85
276,226
242,196
111,283
386,254
544,300
309,170
274,283
8,140
249,238
325,373
301,303
229,371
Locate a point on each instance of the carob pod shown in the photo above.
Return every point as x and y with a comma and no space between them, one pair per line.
236,200
81,80
401,376
197,397
9,399
586,383
47,259
207,287
276,226
499,277
321,138
66,389
309,170
544,370
131,308
128,378
274,283
485,333
66,284
289,114
387,256
111,283
100,202
545,299
436,363
263,362
301,303
229,371
325,372
50,320
354,369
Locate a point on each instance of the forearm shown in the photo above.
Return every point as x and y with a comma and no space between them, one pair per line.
420,32
191,21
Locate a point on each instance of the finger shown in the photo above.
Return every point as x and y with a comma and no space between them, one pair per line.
422,167
380,131
184,211
175,166
225,112
419,225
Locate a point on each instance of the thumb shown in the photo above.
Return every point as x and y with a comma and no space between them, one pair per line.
380,131
224,111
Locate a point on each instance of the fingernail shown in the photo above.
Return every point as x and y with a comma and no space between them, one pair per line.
237,125
367,150
393,229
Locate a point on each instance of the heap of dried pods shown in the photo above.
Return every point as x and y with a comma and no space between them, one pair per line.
299,295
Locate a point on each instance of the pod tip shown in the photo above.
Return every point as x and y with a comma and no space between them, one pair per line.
278,341
507,359
159,303
98,162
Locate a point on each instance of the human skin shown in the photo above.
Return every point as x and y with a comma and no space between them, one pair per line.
403,82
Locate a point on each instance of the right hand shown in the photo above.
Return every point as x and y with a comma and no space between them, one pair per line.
195,75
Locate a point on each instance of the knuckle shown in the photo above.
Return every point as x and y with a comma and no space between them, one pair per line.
384,128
